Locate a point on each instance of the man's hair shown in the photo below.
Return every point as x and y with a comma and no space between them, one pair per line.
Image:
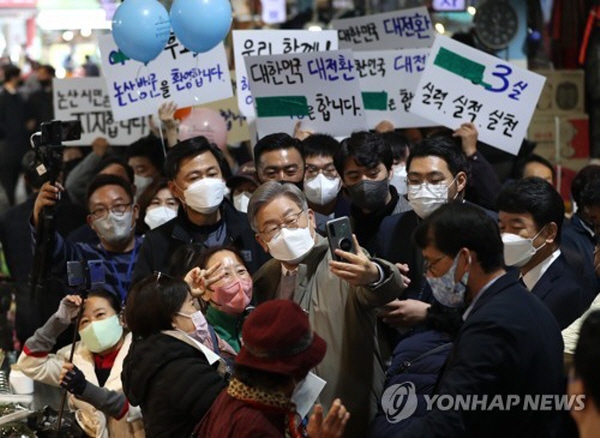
102,180
191,148
398,143
535,196
519,168
584,176
11,71
49,69
274,142
269,191
153,303
109,160
587,356
458,225
149,147
366,148
444,148
322,145
590,195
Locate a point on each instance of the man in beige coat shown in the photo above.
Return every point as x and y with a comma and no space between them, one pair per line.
340,297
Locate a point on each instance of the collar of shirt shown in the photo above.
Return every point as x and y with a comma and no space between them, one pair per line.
481,292
586,228
106,361
532,277
286,272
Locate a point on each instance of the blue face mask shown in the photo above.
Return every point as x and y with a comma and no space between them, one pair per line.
446,291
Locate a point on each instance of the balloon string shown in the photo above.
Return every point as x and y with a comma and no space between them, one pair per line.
198,70
137,77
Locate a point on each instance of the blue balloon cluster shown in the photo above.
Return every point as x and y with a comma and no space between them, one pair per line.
141,28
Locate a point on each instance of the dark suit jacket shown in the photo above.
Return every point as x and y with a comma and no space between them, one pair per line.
562,292
510,344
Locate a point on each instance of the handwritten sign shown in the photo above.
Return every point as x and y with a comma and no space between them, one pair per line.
321,89
86,100
175,75
273,42
403,29
388,81
462,84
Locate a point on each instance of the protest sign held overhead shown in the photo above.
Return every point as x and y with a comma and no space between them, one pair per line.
86,100
321,89
388,81
176,75
273,42
402,29
462,84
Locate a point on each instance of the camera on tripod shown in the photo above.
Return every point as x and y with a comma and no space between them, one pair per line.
49,148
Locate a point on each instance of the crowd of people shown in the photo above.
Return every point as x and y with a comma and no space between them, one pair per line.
223,300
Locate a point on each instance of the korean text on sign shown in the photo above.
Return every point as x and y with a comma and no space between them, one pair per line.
388,81
176,75
403,29
273,42
321,89
461,84
87,100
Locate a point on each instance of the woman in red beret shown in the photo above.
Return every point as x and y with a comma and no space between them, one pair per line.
279,350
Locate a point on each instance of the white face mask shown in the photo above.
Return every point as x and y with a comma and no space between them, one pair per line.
427,198
141,183
205,195
99,336
159,215
241,200
291,245
114,228
399,178
518,250
322,190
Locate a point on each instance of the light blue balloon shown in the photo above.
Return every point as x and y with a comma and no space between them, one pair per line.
201,24
141,29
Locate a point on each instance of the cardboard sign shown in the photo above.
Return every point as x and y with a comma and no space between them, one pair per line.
175,75
86,100
273,42
321,89
403,29
462,84
388,81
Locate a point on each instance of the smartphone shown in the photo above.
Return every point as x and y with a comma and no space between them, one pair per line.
89,274
339,233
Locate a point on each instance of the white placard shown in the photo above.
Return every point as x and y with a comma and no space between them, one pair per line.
462,84
321,89
449,5
307,392
273,42
175,75
388,81
273,11
86,100
403,29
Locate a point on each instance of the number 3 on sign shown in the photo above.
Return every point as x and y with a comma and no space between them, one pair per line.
502,72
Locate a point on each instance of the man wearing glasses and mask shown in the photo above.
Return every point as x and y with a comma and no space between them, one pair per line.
340,297
112,217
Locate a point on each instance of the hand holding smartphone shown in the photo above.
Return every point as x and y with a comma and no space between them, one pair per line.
339,234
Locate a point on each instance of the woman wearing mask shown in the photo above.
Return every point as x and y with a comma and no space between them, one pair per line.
171,375
157,206
222,281
94,377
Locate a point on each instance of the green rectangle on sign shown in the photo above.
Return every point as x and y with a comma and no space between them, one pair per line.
459,65
281,106
375,100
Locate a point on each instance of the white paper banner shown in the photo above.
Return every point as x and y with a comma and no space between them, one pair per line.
86,100
273,42
462,84
175,75
388,81
403,29
321,89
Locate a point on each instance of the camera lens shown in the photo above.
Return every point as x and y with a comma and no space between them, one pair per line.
345,244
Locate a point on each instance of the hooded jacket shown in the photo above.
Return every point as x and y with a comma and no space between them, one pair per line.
172,381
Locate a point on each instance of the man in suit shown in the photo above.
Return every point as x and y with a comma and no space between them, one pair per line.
509,343
530,217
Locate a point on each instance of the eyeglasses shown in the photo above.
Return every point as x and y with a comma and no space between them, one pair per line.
312,171
290,222
117,209
428,265
418,185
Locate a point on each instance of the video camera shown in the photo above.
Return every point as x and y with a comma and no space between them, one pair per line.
49,148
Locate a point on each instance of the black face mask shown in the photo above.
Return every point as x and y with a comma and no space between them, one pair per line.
45,82
369,195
